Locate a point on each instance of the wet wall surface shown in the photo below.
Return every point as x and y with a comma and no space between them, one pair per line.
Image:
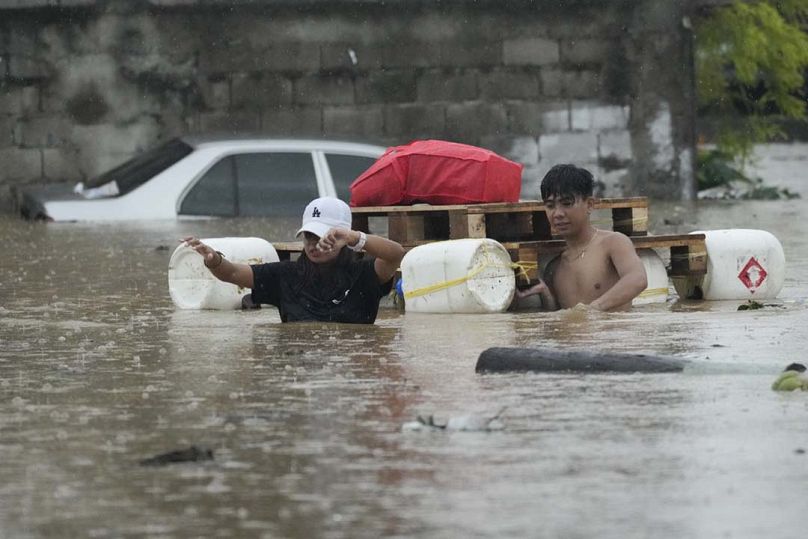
98,371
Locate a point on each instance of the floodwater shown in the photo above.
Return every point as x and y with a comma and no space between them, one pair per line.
98,370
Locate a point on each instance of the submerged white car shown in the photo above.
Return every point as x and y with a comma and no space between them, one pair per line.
207,177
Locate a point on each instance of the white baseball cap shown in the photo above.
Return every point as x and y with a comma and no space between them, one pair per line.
324,213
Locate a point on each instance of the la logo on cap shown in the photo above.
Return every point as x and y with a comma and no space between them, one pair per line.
316,212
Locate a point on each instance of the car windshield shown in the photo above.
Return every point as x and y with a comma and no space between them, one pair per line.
136,171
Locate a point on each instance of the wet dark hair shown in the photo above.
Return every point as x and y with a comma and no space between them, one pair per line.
799,367
311,275
567,181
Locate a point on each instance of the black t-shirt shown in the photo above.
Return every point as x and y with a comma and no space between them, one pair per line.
349,293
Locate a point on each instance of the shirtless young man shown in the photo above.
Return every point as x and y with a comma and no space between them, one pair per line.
598,268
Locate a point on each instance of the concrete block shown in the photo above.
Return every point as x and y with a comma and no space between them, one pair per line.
292,121
324,90
259,91
501,84
615,144
524,117
8,130
588,115
411,54
552,82
579,51
575,148
30,100
364,121
582,84
26,67
615,183
20,164
447,85
531,180
386,86
415,120
556,118
293,57
44,132
535,51
230,123
473,54
468,122
60,164
342,57
524,150
103,146
215,93
9,101
284,57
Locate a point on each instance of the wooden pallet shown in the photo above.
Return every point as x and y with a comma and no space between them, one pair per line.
504,222
688,252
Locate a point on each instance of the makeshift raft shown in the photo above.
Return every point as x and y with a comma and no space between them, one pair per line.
521,227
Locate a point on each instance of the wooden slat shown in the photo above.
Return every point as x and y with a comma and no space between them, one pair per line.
496,207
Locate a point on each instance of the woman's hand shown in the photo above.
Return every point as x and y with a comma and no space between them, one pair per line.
210,256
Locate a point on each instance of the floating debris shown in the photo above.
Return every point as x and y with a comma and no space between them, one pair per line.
792,378
459,423
752,305
190,454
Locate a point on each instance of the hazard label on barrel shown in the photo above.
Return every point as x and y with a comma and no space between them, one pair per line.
752,275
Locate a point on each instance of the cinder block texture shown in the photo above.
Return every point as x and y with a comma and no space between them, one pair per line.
260,91
468,122
324,90
531,51
545,82
585,51
576,148
355,121
386,86
586,116
408,120
19,164
501,84
294,120
61,165
615,144
445,85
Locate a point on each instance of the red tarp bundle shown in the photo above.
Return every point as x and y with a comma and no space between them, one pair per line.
437,172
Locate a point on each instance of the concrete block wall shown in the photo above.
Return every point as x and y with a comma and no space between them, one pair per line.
84,87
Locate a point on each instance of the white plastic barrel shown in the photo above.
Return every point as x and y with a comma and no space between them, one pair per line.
191,284
741,264
458,276
657,276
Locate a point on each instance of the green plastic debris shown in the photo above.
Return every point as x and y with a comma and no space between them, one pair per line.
791,379
750,305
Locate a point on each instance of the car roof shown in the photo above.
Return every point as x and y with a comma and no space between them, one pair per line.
252,141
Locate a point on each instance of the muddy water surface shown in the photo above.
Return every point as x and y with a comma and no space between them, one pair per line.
98,370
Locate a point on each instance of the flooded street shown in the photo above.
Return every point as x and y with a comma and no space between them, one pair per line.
98,370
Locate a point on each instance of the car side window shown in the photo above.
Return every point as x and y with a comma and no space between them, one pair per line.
214,193
345,169
275,183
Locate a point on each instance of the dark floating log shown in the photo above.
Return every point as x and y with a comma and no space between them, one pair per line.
190,454
500,359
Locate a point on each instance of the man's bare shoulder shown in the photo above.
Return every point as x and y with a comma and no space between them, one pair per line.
614,239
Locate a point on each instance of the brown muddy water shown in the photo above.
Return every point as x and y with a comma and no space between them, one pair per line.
98,370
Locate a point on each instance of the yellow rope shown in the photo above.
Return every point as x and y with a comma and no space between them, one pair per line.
650,292
521,267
